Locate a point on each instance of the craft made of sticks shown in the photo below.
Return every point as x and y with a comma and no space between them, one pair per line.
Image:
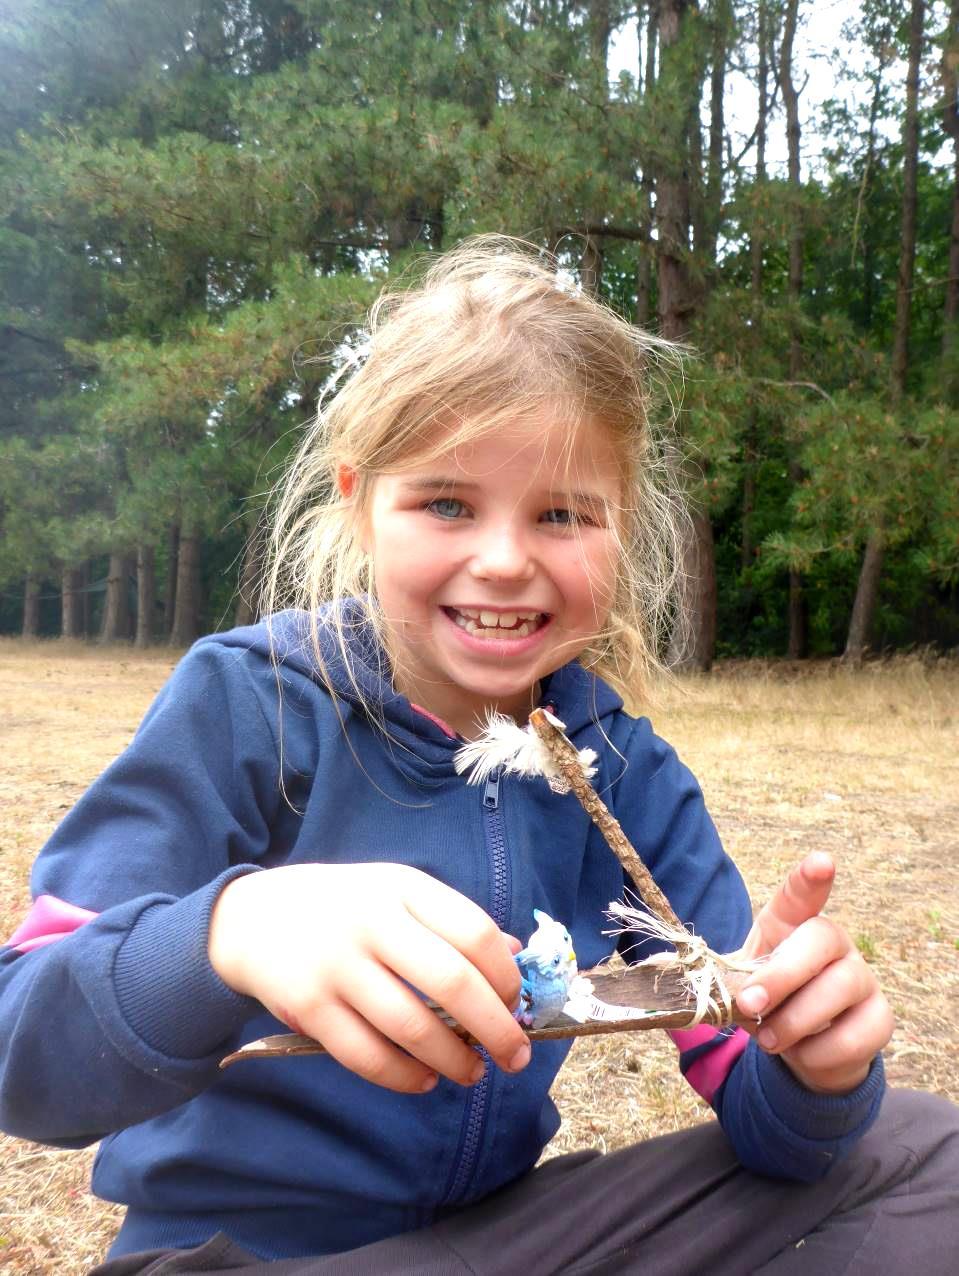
675,990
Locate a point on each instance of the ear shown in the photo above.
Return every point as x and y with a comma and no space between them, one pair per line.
346,478
347,484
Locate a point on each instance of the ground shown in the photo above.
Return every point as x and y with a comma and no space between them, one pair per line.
791,757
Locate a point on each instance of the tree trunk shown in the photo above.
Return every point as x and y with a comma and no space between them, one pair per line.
798,619
172,566
907,234
864,607
793,138
950,122
591,266
186,618
146,594
796,644
404,230
756,254
248,594
115,625
31,606
652,41
863,233
950,316
676,304
757,242
867,588
85,600
693,642
722,19
644,267
750,437
71,613
599,22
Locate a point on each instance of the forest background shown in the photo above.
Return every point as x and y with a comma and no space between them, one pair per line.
199,199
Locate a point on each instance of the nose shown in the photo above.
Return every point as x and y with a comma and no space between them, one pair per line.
500,553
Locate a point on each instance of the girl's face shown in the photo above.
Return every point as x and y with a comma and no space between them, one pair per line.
494,564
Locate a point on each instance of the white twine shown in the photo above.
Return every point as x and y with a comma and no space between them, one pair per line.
700,969
517,751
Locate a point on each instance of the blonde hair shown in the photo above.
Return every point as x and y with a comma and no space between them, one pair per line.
491,334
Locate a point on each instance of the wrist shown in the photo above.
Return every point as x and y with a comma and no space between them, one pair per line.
827,1083
225,946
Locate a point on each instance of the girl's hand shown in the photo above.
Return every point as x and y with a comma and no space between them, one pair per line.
331,949
822,1009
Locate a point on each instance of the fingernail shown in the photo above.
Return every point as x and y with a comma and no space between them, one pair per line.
429,1083
477,1073
767,1039
754,1000
521,1058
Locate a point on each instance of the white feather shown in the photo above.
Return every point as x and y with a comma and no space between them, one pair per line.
516,751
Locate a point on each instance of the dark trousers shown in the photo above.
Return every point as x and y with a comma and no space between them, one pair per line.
678,1205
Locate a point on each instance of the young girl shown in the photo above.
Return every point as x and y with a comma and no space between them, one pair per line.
475,523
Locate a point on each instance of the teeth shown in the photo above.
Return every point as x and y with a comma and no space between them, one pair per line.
491,624
493,619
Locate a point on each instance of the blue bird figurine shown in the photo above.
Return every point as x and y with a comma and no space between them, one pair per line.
548,966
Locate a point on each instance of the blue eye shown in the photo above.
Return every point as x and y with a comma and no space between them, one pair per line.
446,507
560,517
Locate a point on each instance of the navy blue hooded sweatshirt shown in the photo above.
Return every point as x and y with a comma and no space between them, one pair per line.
112,1020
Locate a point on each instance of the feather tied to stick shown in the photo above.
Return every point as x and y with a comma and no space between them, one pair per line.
515,750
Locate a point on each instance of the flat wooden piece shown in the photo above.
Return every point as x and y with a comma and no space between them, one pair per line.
654,996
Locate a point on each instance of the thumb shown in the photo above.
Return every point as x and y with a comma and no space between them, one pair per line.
803,895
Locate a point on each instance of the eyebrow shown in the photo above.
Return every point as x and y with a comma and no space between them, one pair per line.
433,483
429,483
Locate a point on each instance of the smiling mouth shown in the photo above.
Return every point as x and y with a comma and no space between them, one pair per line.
497,624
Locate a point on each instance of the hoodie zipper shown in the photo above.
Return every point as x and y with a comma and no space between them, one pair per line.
494,832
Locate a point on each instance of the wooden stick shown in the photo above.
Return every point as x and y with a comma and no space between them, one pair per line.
566,759
658,997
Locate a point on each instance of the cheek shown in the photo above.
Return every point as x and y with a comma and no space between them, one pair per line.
403,571
593,575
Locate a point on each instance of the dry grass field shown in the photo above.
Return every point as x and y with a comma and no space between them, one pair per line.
863,765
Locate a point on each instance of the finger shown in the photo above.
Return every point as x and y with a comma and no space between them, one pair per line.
800,957
467,928
838,1059
803,895
401,1017
357,1045
815,1006
442,972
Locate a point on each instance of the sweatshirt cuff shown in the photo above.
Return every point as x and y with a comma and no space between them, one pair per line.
167,990
820,1116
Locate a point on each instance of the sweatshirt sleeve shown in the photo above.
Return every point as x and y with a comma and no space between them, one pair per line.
776,1126
110,1011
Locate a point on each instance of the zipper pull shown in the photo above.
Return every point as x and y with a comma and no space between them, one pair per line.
491,792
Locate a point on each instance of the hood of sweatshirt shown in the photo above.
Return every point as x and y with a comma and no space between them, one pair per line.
422,747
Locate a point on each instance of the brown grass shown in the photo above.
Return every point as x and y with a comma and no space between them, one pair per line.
792,759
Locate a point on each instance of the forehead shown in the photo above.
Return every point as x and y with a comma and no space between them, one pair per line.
545,451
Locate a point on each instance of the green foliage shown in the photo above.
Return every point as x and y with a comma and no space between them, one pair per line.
199,199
